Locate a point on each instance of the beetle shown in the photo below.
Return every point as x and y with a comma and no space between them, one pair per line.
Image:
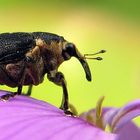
25,58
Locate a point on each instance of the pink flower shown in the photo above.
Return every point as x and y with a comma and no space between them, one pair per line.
24,118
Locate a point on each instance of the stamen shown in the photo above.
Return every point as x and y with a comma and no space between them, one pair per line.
99,122
99,107
95,116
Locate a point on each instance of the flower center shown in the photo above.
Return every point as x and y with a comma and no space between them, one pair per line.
95,117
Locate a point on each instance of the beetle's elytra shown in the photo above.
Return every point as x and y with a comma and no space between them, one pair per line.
26,57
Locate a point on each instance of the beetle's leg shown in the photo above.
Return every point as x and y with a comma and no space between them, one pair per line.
59,79
12,94
21,81
19,90
7,96
22,78
29,59
33,58
29,91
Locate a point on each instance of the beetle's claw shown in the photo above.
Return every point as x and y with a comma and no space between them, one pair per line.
68,113
6,97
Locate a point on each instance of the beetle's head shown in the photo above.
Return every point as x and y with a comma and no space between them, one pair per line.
70,50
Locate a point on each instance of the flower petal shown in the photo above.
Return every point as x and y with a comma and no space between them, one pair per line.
26,118
129,131
108,115
125,114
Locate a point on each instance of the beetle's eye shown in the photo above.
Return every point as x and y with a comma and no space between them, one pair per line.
70,48
69,51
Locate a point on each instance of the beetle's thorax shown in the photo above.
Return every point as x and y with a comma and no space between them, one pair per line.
51,53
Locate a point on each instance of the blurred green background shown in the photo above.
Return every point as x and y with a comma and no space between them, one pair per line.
92,25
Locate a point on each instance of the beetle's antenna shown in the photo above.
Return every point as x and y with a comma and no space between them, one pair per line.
101,51
96,58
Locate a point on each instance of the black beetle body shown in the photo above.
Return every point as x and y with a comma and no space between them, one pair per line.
26,57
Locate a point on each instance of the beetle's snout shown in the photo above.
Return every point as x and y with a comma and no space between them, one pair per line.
70,50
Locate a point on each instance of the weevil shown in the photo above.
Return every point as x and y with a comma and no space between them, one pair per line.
25,58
